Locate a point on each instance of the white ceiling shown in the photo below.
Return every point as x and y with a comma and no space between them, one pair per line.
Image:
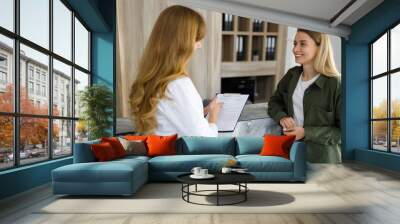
318,15
320,9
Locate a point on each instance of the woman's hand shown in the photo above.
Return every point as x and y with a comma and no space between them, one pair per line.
207,109
287,123
297,131
214,108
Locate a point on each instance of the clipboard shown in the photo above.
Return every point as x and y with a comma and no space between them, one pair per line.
231,110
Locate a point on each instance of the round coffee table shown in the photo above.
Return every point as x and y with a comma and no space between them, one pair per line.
238,179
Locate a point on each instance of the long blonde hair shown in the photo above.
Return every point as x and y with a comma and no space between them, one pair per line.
323,62
168,50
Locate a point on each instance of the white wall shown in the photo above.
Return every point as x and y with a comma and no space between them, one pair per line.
336,46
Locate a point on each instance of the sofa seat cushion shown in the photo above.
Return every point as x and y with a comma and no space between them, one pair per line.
257,163
185,163
133,158
113,171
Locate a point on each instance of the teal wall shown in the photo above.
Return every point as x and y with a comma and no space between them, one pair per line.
24,178
355,83
103,53
99,16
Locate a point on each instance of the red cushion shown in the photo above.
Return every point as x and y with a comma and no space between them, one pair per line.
277,145
103,151
135,137
116,145
161,145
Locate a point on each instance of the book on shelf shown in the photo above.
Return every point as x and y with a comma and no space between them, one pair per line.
270,48
257,25
240,51
227,22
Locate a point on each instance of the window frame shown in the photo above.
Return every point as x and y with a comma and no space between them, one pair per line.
16,114
388,74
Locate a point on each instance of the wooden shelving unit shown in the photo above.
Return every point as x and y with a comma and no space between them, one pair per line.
251,36
253,48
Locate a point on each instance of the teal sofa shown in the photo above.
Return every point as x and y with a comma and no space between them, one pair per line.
125,176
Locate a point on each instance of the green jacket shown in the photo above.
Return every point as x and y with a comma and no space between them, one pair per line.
322,107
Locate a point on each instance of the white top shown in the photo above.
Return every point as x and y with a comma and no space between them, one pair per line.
297,98
181,111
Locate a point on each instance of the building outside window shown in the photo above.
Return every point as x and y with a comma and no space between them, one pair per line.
43,90
37,74
38,89
30,87
385,94
3,61
3,71
43,77
30,72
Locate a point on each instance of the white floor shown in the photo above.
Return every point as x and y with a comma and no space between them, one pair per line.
377,188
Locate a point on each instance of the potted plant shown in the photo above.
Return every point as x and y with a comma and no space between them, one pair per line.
96,102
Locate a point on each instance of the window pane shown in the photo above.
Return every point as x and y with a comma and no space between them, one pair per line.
379,135
395,47
62,138
62,29
6,74
379,55
34,72
35,21
62,89
81,131
81,45
7,14
6,142
81,81
395,138
395,94
379,97
33,139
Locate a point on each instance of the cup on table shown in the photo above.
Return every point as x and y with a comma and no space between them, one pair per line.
196,171
226,170
203,172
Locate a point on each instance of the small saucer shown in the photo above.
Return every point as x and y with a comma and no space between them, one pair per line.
208,176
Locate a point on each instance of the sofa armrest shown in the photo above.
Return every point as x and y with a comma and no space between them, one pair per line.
298,155
83,152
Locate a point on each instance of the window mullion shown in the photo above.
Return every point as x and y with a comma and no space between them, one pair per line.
50,81
73,82
16,84
389,106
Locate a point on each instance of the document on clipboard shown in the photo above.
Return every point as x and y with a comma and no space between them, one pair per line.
230,111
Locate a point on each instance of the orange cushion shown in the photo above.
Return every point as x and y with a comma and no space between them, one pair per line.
135,137
277,145
161,145
103,151
116,145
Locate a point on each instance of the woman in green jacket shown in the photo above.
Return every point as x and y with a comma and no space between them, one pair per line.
307,102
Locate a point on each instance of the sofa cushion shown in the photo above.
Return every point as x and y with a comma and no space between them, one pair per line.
103,152
249,145
112,171
197,145
134,147
116,145
161,145
135,137
257,163
277,145
131,158
185,163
